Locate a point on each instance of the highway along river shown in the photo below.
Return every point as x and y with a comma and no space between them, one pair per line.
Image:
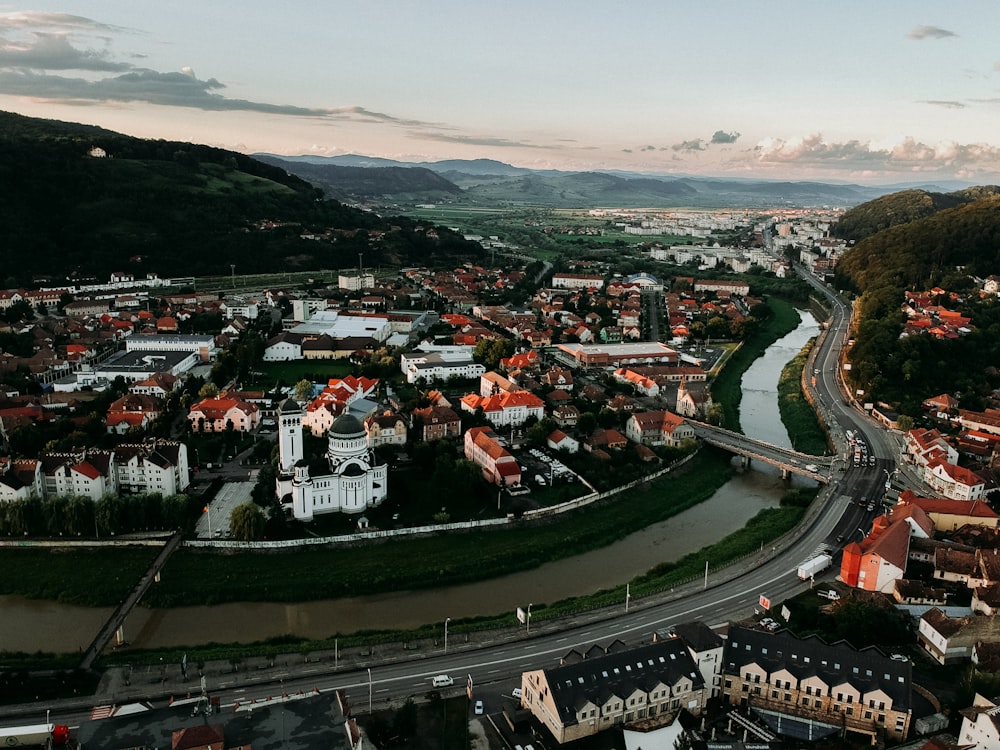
33,625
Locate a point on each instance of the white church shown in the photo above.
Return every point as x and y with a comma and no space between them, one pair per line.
354,484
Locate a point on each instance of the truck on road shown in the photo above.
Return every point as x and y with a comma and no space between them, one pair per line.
814,565
34,735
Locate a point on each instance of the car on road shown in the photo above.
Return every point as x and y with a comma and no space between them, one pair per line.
516,693
479,708
442,680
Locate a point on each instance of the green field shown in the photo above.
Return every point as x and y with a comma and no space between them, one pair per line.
290,373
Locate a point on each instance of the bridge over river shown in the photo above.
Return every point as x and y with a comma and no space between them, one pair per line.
789,461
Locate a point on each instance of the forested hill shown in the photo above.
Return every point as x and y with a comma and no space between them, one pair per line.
928,251
903,207
947,249
82,199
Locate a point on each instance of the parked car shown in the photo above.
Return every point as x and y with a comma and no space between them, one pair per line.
479,708
516,693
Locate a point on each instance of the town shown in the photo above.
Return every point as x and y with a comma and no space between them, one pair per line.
549,388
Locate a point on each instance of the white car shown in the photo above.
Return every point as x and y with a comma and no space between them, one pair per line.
516,693
479,708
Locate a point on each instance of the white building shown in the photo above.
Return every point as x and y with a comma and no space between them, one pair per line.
354,483
433,366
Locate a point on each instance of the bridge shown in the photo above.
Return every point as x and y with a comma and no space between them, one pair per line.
117,619
789,461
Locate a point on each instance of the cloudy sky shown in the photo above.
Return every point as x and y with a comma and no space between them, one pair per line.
871,92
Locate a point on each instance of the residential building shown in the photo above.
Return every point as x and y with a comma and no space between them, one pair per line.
658,428
577,281
949,515
220,414
980,724
613,687
811,690
483,448
438,422
951,639
879,560
505,409
560,441
385,429
955,482
429,367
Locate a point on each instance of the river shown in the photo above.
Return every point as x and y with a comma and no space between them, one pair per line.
27,625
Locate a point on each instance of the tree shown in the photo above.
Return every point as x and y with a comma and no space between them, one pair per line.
246,523
303,390
209,390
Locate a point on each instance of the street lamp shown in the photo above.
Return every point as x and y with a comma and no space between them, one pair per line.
369,690
446,621
527,621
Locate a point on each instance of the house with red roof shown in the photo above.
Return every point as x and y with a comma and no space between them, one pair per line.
334,399
505,409
216,414
483,448
559,441
658,428
879,560
955,482
949,515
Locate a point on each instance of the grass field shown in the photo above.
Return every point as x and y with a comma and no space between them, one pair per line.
317,370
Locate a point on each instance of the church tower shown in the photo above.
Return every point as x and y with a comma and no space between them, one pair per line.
289,443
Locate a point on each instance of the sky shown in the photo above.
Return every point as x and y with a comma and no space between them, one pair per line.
873,92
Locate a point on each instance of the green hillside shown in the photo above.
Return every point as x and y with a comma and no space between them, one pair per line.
902,208
946,248
174,209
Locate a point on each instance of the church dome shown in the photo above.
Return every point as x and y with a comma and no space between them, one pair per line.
347,425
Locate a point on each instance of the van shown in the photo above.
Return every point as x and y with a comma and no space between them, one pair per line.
442,680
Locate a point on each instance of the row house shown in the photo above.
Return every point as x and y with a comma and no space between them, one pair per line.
158,384
577,281
982,421
614,687
429,367
483,448
506,409
658,428
821,690
980,724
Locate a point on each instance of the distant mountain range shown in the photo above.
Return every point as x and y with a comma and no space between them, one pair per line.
378,181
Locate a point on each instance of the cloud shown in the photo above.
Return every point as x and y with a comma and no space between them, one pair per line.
908,155
721,136
696,145
945,104
930,32
478,140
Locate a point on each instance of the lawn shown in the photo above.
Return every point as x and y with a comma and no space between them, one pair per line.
290,373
